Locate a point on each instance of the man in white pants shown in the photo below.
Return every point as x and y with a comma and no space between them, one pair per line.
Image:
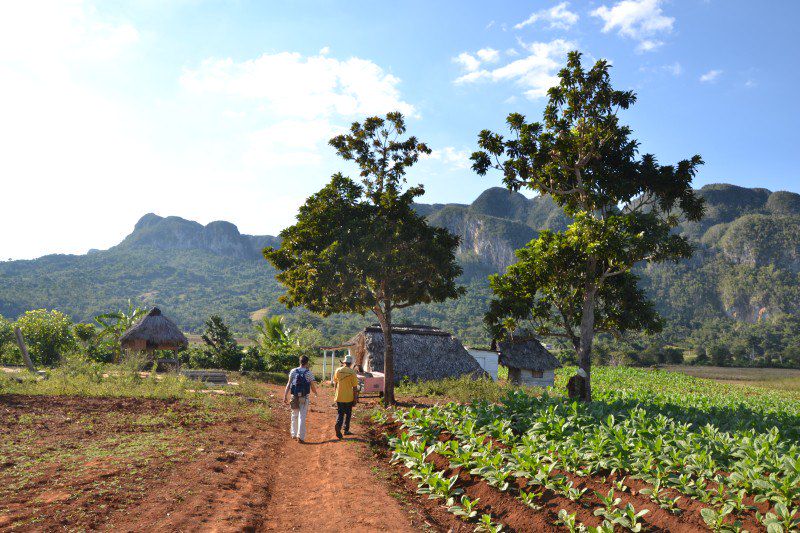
300,384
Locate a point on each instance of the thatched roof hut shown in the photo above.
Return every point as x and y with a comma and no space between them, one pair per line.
528,362
420,353
154,332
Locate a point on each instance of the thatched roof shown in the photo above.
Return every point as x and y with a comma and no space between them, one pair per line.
421,353
527,353
397,329
156,331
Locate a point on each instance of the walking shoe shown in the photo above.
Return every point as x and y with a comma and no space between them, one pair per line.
347,432
301,441
338,432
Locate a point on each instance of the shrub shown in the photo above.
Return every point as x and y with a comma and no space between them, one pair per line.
197,357
221,345
252,361
48,335
719,355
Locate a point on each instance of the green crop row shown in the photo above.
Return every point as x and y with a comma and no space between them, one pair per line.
539,434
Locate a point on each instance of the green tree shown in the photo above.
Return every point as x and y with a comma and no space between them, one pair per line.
85,333
719,355
363,248
577,282
48,335
221,344
6,340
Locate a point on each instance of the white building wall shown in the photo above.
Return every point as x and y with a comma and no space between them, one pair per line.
547,380
487,359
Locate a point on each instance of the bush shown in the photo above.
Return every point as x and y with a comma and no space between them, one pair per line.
284,360
197,357
48,335
719,355
221,346
252,361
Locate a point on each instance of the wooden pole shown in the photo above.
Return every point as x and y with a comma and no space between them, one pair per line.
25,356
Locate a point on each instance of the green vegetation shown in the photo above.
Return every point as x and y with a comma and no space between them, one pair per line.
704,440
47,333
575,283
695,297
364,249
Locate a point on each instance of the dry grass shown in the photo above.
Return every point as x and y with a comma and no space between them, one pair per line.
770,378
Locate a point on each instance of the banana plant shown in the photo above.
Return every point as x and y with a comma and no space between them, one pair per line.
114,324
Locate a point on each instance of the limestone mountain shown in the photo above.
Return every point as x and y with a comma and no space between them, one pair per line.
176,233
746,266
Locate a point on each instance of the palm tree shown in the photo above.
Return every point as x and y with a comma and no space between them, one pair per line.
273,332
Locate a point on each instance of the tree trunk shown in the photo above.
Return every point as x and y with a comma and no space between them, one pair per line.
22,348
587,328
385,319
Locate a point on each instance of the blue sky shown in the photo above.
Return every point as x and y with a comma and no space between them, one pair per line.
222,110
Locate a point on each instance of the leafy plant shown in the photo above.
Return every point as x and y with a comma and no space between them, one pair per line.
486,525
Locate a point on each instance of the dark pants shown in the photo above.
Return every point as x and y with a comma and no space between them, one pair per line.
345,410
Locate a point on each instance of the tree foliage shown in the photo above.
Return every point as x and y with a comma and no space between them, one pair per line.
359,248
623,208
114,324
221,346
48,335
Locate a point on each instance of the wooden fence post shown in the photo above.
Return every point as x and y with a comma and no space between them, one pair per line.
24,350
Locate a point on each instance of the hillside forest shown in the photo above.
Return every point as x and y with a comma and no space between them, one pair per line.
735,302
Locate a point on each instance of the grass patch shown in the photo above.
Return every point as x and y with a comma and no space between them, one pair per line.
463,389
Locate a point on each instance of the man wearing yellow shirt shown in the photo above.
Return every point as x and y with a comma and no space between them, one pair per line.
346,394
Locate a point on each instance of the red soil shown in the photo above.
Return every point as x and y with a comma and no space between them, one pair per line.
326,484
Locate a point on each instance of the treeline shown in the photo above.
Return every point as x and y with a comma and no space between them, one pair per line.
52,337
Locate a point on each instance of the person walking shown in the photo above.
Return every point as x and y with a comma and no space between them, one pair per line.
346,394
300,384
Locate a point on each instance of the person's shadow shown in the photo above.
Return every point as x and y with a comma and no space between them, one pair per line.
355,439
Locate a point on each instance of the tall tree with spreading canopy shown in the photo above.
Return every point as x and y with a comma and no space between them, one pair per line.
359,248
575,283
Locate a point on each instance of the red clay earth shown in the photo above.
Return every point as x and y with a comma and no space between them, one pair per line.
127,464
236,474
67,464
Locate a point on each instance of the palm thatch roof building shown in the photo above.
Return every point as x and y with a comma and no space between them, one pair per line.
154,332
528,362
420,353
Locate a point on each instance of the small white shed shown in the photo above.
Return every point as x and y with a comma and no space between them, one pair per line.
488,360
528,362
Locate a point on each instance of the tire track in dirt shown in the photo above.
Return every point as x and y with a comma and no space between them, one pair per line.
324,484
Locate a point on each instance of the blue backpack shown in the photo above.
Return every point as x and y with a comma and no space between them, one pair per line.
301,386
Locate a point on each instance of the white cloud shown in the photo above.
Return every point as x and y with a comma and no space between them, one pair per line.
82,121
488,55
710,76
455,159
289,83
557,17
467,61
50,33
536,72
675,69
641,20
472,62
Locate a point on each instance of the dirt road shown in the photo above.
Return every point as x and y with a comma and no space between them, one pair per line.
327,484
